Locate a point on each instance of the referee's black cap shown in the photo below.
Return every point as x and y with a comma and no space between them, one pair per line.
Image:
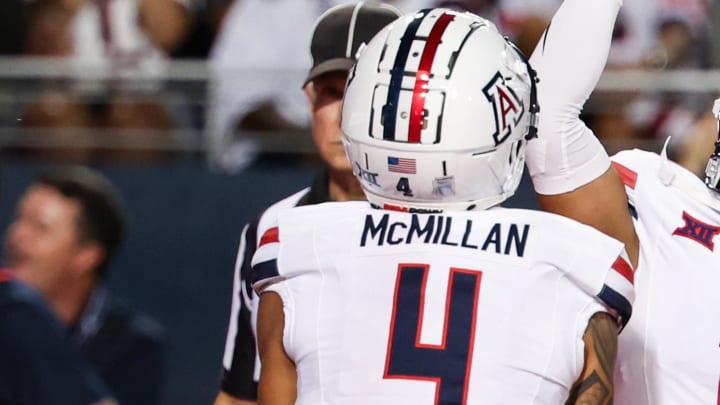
340,31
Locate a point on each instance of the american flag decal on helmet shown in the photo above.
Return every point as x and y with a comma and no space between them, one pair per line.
401,165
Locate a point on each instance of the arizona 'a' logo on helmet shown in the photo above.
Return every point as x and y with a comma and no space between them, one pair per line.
508,107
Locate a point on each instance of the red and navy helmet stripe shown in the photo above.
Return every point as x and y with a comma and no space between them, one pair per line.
396,75
422,77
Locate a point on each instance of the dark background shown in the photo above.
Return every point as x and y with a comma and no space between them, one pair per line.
184,225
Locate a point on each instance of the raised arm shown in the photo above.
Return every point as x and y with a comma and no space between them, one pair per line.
570,169
595,385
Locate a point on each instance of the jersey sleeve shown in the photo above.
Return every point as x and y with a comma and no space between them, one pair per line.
284,251
599,265
618,289
636,167
567,155
288,249
40,364
265,261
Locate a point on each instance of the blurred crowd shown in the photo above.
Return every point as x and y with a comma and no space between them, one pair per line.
256,52
116,105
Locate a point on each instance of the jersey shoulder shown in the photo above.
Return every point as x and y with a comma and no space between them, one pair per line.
649,168
557,229
289,247
637,159
308,217
268,218
648,177
637,166
567,244
594,261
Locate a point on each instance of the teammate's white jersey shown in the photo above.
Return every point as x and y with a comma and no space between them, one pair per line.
395,308
668,353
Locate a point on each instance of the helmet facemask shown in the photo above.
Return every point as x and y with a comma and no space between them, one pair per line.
712,171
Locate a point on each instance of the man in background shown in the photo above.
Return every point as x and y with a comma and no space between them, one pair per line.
38,363
337,35
68,225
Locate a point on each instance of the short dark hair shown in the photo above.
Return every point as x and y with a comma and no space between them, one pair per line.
102,217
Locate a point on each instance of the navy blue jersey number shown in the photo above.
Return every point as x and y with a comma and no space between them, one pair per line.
447,364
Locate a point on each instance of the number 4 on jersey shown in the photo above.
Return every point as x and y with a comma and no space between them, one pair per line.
447,364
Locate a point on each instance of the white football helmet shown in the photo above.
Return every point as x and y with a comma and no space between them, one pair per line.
436,113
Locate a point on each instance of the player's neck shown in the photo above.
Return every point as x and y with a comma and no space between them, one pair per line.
343,186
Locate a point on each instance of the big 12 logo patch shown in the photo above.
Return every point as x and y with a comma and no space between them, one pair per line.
507,106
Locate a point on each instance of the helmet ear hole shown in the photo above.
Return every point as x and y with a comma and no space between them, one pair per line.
436,113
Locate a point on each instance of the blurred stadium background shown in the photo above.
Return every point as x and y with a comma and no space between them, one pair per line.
193,170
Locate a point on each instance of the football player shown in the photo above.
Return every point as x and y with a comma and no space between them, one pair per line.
432,293
668,354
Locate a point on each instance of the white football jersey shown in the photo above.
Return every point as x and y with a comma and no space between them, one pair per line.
668,353
488,307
